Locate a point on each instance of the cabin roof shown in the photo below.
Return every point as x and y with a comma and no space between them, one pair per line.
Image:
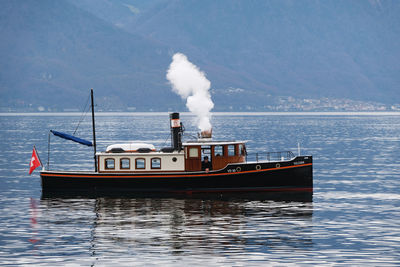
211,143
132,146
150,153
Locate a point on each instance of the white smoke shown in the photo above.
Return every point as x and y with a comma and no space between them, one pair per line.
191,84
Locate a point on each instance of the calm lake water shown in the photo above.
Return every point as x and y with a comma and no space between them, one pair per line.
353,218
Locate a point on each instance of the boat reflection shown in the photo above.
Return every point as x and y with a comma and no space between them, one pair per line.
300,196
188,225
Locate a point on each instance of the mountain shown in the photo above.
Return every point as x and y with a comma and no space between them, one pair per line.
52,53
299,48
256,54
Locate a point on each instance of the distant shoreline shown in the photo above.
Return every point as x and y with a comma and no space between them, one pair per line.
288,113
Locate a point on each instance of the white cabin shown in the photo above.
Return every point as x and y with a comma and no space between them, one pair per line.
139,157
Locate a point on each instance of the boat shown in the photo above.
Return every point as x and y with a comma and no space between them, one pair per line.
140,168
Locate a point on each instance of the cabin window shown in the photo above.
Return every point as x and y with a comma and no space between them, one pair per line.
218,151
156,163
125,164
109,164
193,152
241,150
206,152
231,150
140,163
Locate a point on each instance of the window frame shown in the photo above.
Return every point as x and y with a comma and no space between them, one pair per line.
136,164
241,150
106,165
121,165
197,154
151,163
222,151
234,150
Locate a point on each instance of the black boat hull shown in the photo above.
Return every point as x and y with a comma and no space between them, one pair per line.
295,175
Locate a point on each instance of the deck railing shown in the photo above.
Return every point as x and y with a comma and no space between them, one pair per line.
270,156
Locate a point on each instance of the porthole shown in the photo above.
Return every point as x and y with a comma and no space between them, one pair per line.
258,167
278,165
238,169
174,159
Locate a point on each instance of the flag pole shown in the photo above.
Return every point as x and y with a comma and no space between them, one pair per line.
94,131
35,161
48,152
37,154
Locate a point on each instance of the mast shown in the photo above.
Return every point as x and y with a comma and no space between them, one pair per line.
94,131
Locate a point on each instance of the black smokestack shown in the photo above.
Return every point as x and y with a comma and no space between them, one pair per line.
176,131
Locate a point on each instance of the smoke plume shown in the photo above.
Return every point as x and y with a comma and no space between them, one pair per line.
191,84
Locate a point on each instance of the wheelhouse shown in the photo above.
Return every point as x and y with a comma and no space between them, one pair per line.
219,153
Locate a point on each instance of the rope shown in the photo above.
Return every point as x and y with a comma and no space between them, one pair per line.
169,136
83,114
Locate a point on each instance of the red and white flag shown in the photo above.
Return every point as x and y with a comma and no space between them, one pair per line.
35,161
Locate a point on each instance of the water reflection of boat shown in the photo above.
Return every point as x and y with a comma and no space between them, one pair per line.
141,169
187,226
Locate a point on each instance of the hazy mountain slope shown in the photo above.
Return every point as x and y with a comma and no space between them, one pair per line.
131,15
53,52
299,48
